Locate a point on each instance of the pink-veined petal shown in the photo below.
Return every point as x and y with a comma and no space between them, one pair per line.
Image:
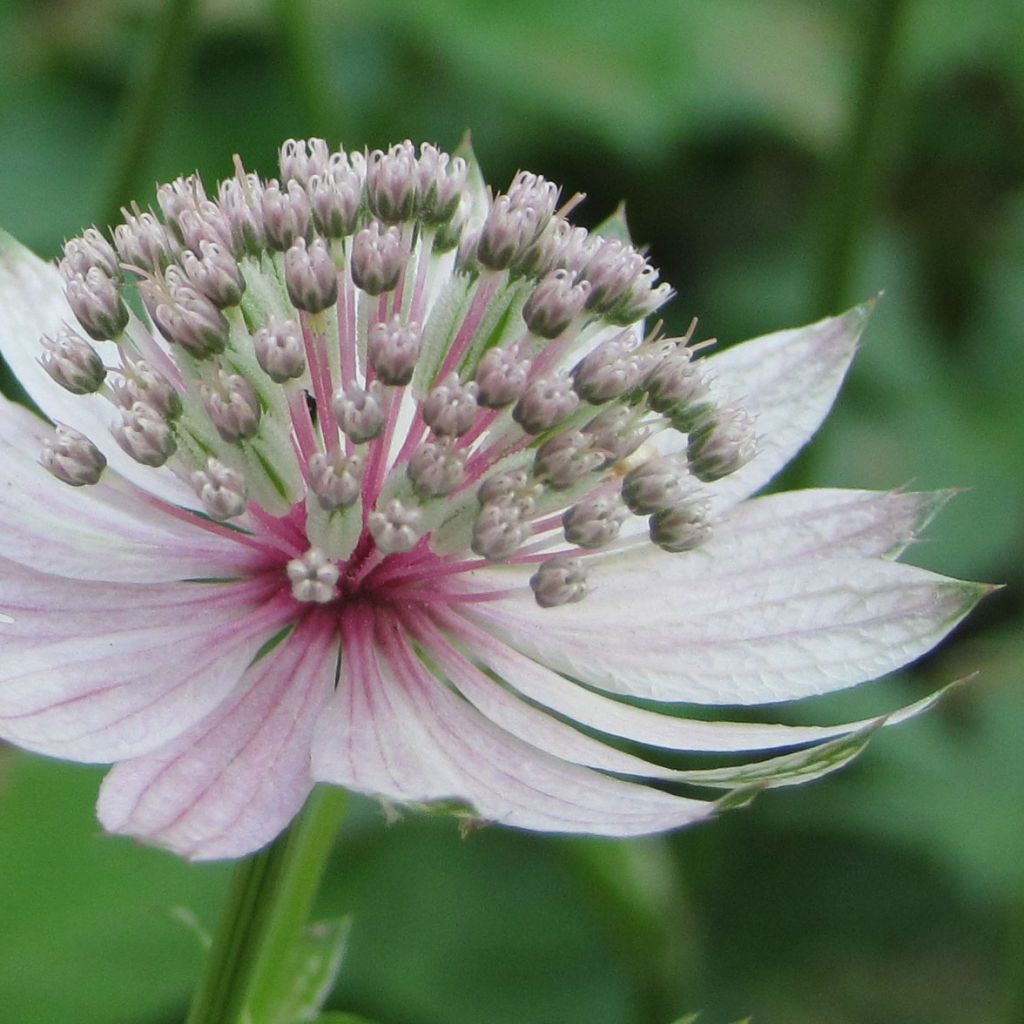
394,730
102,532
739,635
100,672
236,779
32,304
654,728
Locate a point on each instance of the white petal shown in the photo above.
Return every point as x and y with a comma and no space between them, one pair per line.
231,783
787,381
741,634
395,731
102,532
32,304
101,672
655,728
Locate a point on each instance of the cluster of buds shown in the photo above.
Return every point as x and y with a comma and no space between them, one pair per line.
376,347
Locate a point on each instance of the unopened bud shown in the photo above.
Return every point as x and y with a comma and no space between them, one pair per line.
565,459
681,528
545,403
559,580
310,275
391,180
721,445
220,489
145,435
505,487
359,411
72,362
378,258
335,478
215,273
499,531
143,242
232,406
441,184
393,348
335,198
657,484
594,522
677,388
314,578
395,528
279,351
300,159
95,299
450,408
286,214
141,383
555,302
610,371
616,432
243,214
72,458
436,469
501,377
88,251
186,317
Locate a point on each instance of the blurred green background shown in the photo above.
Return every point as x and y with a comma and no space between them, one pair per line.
782,159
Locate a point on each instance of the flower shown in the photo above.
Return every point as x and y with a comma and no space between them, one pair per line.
389,488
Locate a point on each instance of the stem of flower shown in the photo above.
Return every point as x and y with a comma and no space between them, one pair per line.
852,185
265,912
146,101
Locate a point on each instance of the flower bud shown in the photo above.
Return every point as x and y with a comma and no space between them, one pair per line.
314,578
499,531
145,435
721,445
215,273
554,303
279,351
391,180
594,522
72,458
450,408
545,403
359,411
220,489
501,377
395,528
335,478
141,383
95,299
378,258
72,362
300,159
286,214
565,459
88,251
559,580
310,275
393,348
232,406
436,469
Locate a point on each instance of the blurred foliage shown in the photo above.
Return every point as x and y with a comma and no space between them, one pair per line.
894,893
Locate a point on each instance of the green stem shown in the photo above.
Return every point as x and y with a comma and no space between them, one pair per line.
853,184
266,910
146,102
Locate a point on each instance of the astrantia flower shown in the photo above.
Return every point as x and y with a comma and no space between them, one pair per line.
369,477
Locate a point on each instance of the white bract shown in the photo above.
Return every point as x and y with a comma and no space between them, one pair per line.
390,489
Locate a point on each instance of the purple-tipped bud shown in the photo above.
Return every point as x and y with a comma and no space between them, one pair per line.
88,251
654,486
559,580
395,528
391,180
300,159
545,403
450,409
499,531
359,411
441,181
243,214
623,284
507,232
145,435
314,578
232,406
310,275
207,223
393,348
220,489
681,528
95,299
186,317
721,445
286,214
553,305
72,362
505,488
565,459
141,383
677,387
143,242
594,522
72,458
279,351
335,478
501,377
575,247
378,258
466,261
610,371
215,273
436,469
616,433
177,197
335,198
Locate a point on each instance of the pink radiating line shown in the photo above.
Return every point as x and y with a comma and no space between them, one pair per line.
303,437
474,317
320,374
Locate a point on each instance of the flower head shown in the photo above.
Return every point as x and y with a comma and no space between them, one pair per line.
387,487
